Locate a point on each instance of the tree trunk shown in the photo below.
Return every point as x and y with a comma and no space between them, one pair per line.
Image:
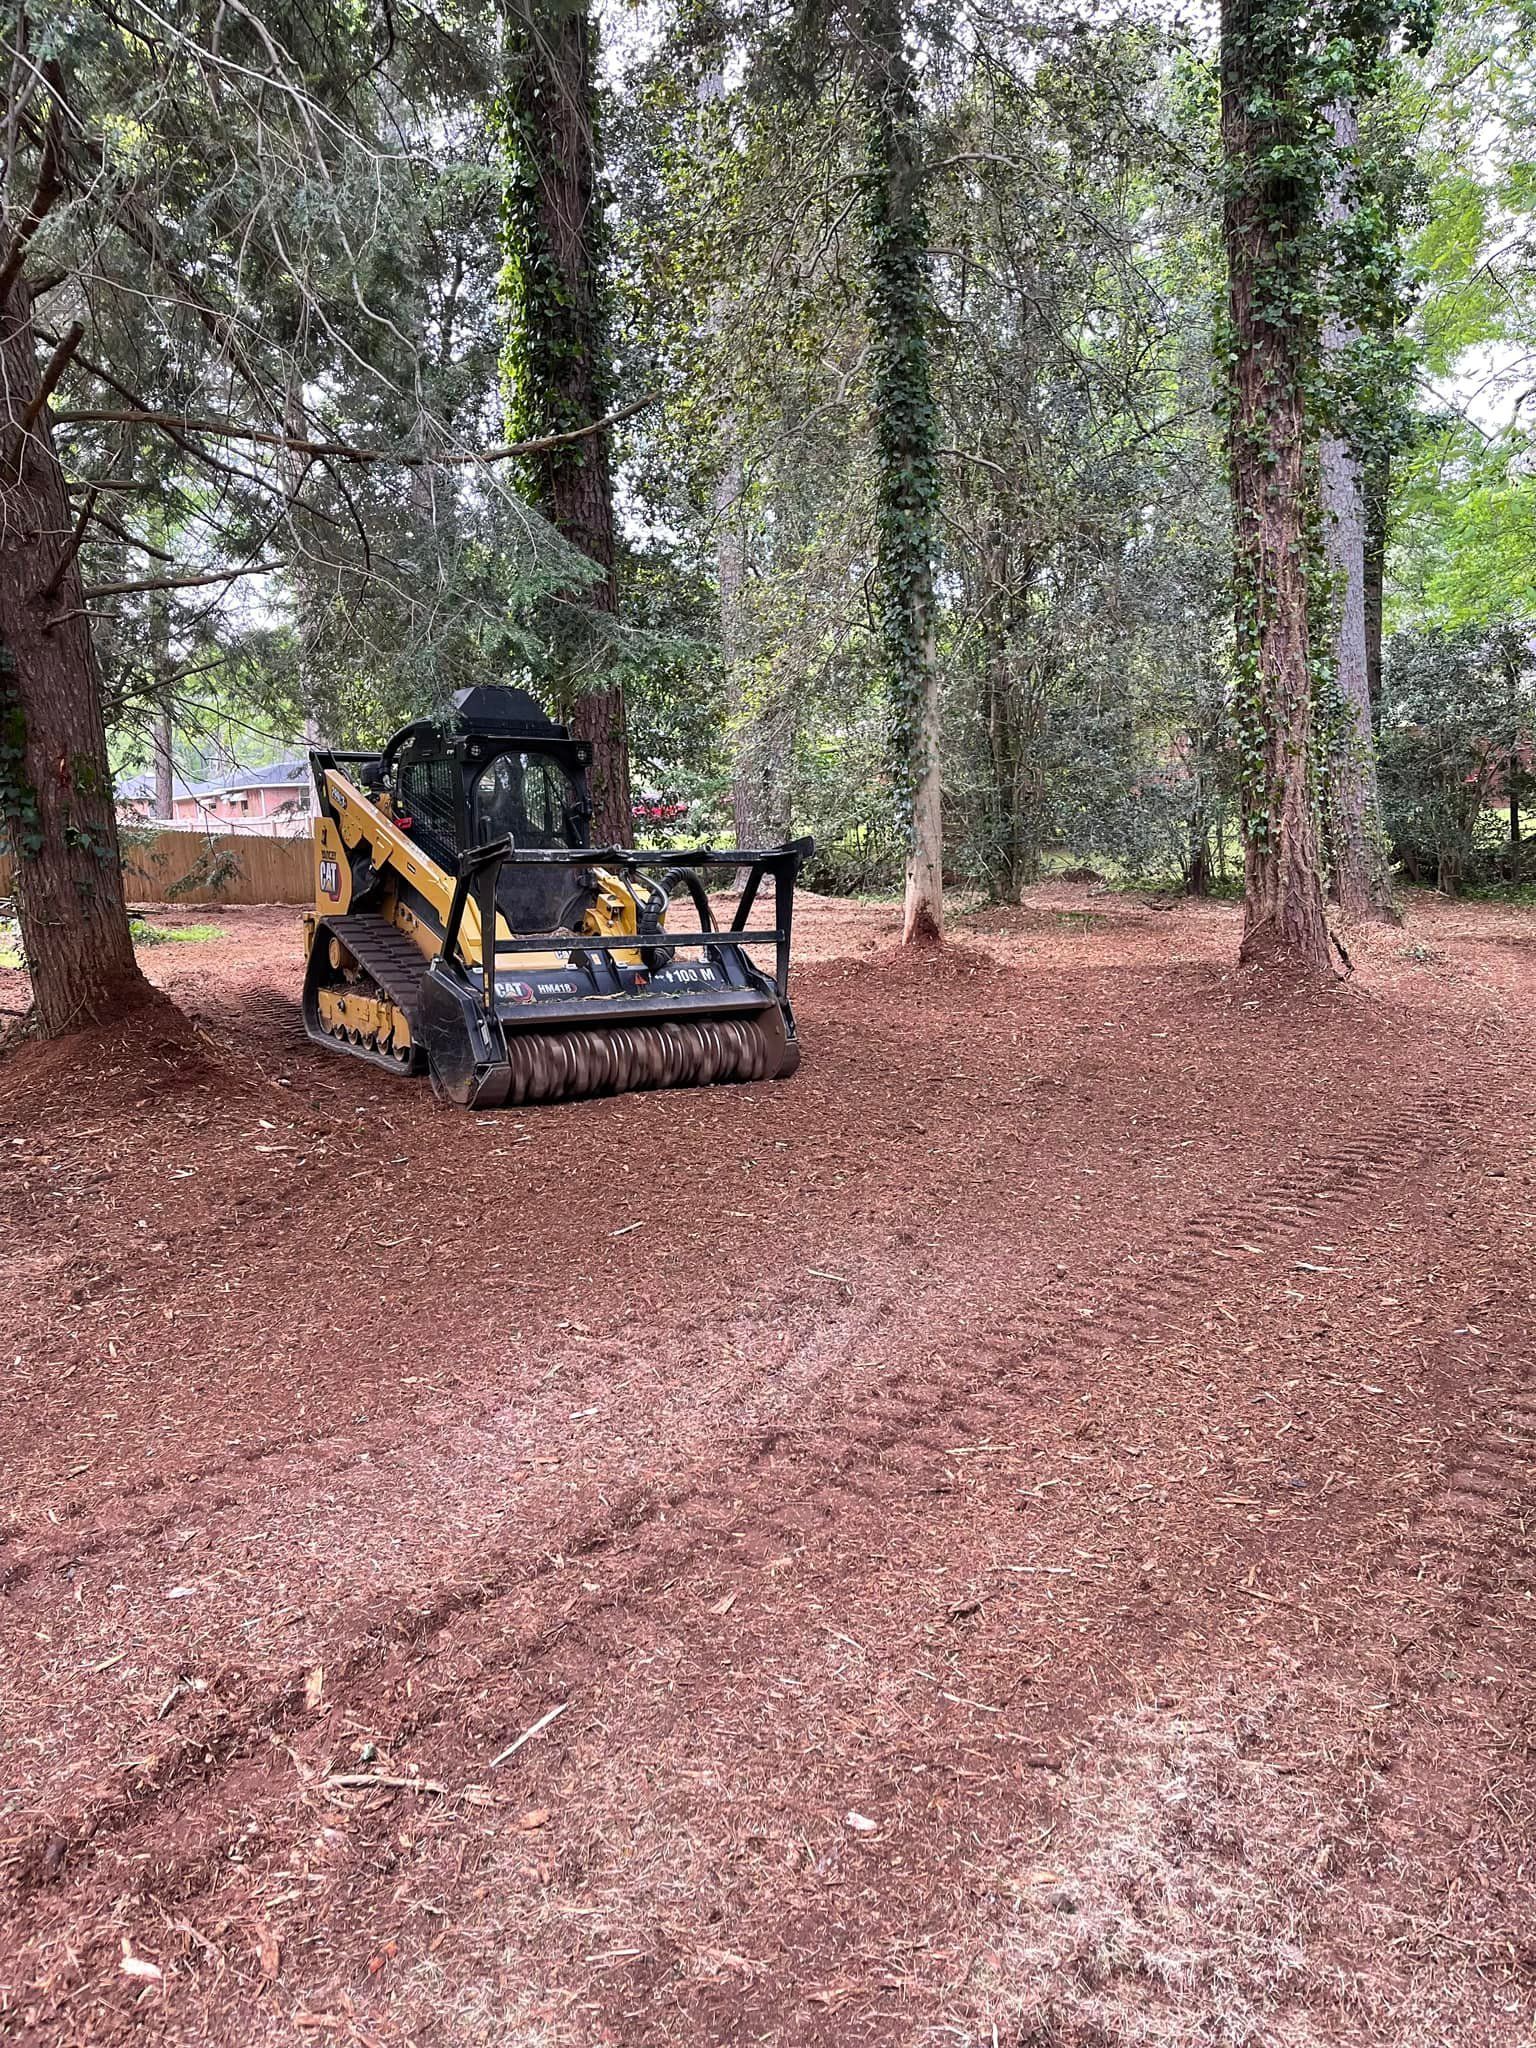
922,918
580,507
558,356
55,782
1512,673
165,769
900,304
731,577
1359,857
1011,735
1283,914
163,742
1197,877
308,602
1378,491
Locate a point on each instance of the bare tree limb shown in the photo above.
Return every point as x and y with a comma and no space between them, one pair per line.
57,364
178,424
181,582
189,448
50,183
69,550
120,532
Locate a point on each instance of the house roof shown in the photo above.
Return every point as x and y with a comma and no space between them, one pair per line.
292,774
281,775
141,788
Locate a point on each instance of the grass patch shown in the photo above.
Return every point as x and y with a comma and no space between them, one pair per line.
144,934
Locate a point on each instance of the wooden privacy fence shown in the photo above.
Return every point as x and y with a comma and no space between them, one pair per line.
194,867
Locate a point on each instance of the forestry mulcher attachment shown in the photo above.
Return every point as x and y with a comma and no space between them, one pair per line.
463,927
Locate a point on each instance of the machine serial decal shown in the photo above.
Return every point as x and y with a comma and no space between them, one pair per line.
529,992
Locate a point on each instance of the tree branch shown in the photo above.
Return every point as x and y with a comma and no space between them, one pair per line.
178,424
50,183
120,532
69,550
57,364
181,582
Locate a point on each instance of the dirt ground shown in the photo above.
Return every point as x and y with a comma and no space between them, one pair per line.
1021,1535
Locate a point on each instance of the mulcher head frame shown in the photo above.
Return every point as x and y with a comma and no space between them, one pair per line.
622,1011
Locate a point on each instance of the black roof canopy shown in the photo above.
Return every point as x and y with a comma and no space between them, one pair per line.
496,709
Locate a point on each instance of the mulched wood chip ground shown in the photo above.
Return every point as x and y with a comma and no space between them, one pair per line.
1021,1535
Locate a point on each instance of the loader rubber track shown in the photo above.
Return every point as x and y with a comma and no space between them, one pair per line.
395,965
398,966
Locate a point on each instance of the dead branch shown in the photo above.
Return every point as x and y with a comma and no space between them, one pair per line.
57,364
50,183
69,550
120,532
181,582
340,451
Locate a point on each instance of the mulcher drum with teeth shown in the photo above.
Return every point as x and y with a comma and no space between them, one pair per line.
478,826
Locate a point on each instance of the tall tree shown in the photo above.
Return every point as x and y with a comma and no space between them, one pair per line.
239,379
754,785
56,803
1267,122
1293,76
906,439
557,352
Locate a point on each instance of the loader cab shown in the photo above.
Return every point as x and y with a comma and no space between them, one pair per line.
497,768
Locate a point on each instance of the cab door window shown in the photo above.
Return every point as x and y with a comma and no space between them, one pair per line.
524,797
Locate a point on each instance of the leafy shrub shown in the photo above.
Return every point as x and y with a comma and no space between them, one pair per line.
1456,731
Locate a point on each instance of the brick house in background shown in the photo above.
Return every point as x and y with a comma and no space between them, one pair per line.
275,802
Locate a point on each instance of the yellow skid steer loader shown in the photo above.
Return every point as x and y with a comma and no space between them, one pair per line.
463,926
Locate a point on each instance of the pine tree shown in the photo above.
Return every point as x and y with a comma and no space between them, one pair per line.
56,802
1274,335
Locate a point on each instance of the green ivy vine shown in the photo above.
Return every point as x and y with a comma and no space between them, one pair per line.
905,417
21,825
555,350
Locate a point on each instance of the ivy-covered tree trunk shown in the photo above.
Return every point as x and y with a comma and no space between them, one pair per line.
1273,341
1359,853
900,310
56,804
557,352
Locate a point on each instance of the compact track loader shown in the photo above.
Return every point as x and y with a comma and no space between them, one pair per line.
464,928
